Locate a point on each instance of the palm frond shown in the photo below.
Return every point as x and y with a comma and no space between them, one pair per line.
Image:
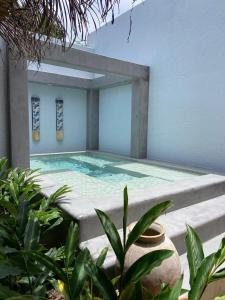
24,24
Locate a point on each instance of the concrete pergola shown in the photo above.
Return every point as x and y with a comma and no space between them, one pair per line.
115,72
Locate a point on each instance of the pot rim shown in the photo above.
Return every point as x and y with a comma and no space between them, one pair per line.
150,238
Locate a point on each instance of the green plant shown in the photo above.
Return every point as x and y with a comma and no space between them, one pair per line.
80,273
25,216
129,281
203,270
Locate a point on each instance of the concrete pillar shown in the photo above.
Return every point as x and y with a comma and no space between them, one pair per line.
139,118
92,119
4,103
19,115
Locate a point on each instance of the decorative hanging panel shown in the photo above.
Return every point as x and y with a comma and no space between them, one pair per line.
59,119
35,105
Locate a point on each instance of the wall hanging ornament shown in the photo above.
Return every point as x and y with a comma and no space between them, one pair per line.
59,119
35,104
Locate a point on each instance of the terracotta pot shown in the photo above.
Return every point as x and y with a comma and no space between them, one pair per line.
155,239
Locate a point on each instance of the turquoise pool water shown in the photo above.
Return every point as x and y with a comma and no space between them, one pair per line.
90,173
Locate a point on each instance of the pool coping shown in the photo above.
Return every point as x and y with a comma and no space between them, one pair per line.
143,161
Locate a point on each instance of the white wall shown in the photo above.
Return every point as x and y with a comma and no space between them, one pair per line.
4,134
184,44
115,119
74,119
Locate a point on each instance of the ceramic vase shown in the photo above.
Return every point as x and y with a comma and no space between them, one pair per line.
154,239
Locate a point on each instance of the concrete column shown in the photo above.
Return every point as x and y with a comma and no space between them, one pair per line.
4,103
139,118
19,115
92,119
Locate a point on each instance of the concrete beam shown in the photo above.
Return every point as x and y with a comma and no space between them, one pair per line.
92,119
110,81
87,61
76,82
58,79
139,118
19,116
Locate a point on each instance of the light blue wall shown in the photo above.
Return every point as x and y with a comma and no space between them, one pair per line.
74,119
184,44
115,119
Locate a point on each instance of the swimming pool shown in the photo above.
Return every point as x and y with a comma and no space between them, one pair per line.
96,173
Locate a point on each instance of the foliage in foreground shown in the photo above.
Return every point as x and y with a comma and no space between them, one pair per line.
29,268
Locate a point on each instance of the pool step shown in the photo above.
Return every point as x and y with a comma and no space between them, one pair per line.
207,217
182,193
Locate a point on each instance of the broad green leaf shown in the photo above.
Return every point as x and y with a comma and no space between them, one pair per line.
171,293
101,281
45,217
49,263
201,278
112,235
71,243
32,234
22,215
115,280
100,260
13,190
218,275
79,273
195,252
7,270
220,255
220,298
145,221
125,212
144,265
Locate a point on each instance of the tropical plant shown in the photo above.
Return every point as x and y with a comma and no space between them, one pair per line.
25,216
129,282
28,25
79,274
203,270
